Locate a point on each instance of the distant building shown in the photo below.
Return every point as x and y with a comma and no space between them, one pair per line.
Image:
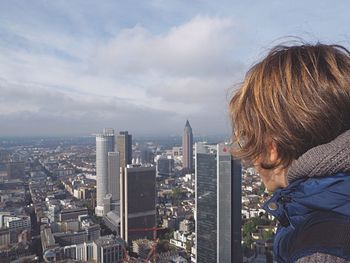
147,156
12,170
3,170
108,249
107,201
4,237
186,226
85,252
15,224
216,228
15,170
53,213
124,147
107,169
86,234
47,239
72,213
165,167
142,247
170,222
179,239
72,234
83,192
187,148
4,155
170,257
177,151
114,176
137,203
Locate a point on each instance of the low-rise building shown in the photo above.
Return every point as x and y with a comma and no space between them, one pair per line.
169,222
108,249
72,213
186,226
4,237
142,247
16,224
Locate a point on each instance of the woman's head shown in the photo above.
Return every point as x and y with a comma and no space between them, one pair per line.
296,98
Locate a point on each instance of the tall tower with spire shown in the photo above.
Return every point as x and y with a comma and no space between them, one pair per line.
187,148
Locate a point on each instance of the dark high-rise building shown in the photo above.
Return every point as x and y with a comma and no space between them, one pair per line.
165,167
114,177
137,203
187,148
206,204
218,205
124,147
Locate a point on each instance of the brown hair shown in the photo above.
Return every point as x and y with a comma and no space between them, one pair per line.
297,96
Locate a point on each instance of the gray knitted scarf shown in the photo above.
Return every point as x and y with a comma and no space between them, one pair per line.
323,160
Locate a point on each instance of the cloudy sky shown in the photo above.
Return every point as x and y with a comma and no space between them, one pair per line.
74,67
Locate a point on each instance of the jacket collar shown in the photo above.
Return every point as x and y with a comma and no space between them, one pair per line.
323,160
304,196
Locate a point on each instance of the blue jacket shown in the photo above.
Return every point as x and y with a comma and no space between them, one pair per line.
302,199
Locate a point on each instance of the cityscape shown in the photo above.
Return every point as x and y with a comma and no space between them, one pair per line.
115,139
112,198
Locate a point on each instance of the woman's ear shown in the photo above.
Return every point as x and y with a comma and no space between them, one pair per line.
273,153
270,159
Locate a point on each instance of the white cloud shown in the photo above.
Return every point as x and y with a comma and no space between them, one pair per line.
200,47
188,67
38,110
183,73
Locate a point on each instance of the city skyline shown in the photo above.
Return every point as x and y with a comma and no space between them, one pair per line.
69,68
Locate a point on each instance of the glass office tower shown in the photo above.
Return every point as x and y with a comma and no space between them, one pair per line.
218,205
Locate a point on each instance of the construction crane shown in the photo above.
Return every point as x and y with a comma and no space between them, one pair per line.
152,253
126,257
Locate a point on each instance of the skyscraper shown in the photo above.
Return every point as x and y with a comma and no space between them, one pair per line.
114,176
229,202
218,205
206,204
187,148
124,147
107,173
137,202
